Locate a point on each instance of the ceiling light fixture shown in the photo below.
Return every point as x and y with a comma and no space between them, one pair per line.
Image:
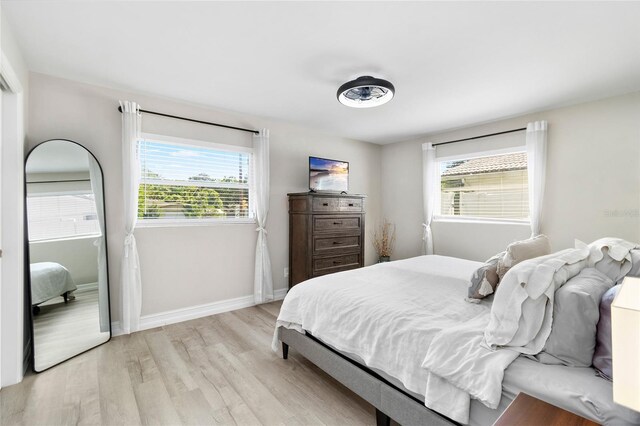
365,92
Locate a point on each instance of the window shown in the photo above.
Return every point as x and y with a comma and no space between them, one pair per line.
182,182
64,215
493,186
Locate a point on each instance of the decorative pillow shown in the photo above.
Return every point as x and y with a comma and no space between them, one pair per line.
484,280
602,354
523,250
575,318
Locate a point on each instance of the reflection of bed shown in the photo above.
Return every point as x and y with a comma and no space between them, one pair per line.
371,328
49,280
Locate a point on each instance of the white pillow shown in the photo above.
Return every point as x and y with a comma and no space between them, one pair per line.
611,256
635,264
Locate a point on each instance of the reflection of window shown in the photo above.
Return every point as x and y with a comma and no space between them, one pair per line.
487,187
53,216
186,182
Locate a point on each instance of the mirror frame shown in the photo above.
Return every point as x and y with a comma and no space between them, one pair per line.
27,262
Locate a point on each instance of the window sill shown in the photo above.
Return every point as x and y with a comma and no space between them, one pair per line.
191,222
462,219
79,237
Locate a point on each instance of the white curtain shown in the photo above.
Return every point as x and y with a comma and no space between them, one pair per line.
263,281
430,180
95,175
536,171
130,279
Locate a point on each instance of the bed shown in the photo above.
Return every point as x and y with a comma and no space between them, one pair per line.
372,328
49,280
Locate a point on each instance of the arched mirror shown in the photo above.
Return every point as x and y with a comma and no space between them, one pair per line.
66,252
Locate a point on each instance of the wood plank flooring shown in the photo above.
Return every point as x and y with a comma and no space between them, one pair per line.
62,329
213,370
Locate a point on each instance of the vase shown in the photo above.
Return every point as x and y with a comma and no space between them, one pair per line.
382,259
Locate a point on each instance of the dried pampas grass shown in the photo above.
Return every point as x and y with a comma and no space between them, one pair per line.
384,238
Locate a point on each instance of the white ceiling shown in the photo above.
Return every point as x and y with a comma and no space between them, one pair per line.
452,63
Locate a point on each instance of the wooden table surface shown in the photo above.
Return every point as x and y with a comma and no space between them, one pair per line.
526,410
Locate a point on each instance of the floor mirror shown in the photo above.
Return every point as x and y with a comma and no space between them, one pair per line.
66,252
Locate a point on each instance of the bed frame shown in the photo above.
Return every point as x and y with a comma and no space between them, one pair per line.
389,401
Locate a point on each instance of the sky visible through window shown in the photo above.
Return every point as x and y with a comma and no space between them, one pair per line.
191,182
182,163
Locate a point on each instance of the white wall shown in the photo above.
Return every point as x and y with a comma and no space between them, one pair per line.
593,182
187,266
78,255
13,123
12,52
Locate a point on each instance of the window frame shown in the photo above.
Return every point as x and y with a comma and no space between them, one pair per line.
439,217
194,143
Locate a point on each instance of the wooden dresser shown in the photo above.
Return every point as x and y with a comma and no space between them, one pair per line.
326,234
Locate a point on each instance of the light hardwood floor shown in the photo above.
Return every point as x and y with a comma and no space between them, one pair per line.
63,329
214,370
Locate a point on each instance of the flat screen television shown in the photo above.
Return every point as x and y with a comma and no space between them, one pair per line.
328,175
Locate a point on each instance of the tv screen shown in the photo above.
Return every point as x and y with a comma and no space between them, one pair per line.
328,175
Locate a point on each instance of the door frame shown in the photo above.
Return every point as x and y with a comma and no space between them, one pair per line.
12,238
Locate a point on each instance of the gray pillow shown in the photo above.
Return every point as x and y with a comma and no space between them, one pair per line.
602,355
576,310
484,280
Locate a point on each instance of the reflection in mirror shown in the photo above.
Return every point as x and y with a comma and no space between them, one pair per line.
67,252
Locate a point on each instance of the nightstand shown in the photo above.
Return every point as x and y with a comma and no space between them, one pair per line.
526,410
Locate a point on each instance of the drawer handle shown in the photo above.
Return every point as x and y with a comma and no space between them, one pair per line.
337,223
337,242
350,204
325,204
337,262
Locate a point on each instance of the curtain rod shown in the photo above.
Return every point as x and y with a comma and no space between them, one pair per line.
481,136
195,121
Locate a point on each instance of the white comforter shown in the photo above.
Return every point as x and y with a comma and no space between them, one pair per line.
469,360
49,280
400,316
521,310
387,315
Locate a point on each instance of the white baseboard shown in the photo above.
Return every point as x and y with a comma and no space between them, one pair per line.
280,293
193,312
115,329
86,287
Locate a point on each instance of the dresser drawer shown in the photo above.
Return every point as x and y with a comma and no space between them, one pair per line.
326,204
327,265
336,244
350,204
323,223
